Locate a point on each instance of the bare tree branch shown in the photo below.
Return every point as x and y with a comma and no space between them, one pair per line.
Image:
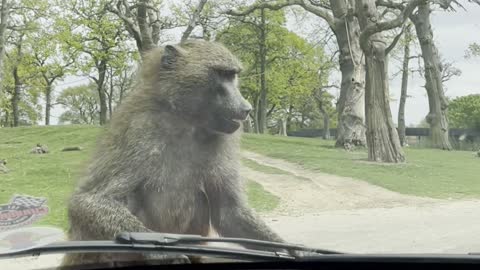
193,20
147,42
394,41
394,23
130,24
317,10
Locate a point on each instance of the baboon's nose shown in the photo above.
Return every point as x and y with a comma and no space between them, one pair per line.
246,112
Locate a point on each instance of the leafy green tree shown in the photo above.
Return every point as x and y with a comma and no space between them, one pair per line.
81,105
281,69
257,38
50,61
101,39
464,112
20,84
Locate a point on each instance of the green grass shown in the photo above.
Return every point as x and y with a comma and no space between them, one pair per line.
260,199
54,175
428,172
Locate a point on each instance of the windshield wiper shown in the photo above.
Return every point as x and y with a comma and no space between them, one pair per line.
172,244
175,239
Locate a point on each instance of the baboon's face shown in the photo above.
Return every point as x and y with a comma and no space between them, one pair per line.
226,107
207,75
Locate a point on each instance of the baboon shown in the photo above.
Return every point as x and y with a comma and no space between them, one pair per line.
169,160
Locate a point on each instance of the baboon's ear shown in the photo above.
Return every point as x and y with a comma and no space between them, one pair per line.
170,56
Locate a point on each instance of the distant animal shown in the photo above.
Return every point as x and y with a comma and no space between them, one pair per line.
39,149
169,160
3,166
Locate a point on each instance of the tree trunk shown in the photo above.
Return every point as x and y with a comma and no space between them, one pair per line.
404,87
326,127
326,121
262,114
146,42
289,118
255,115
193,20
3,27
282,125
351,103
48,103
102,68
110,94
16,97
382,137
438,105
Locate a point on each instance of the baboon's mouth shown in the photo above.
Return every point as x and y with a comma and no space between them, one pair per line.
228,125
233,120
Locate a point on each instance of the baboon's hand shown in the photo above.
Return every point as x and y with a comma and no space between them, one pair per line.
153,258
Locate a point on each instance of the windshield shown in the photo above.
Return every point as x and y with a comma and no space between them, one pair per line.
311,127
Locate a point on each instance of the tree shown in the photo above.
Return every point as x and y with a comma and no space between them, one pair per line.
4,16
324,103
101,41
20,86
408,37
20,82
194,19
435,72
290,73
50,62
344,24
438,105
119,80
81,104
464,112
263,42
144,22
382,137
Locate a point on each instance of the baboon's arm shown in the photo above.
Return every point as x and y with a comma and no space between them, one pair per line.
237,220
102,213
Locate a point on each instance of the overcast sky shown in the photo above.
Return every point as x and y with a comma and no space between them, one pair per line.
453,32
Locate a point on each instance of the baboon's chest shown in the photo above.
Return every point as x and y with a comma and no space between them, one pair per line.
180,203
180,192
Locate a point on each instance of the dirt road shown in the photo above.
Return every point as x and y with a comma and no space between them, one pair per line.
328,211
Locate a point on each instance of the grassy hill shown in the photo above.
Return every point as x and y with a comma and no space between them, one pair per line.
54,175
432,173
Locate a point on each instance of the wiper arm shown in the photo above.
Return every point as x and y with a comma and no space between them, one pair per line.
172,244
114,247
175,239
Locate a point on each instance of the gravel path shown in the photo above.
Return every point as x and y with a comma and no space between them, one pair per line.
328,211
303,191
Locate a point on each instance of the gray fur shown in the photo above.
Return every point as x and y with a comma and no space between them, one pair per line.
169,160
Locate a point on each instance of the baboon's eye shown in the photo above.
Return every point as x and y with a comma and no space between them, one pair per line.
226,73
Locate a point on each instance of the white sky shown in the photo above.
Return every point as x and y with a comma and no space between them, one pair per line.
453,32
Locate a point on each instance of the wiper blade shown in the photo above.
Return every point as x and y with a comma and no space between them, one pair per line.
175,239
131,242
114,247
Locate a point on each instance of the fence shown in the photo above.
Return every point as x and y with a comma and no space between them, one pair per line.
456,133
